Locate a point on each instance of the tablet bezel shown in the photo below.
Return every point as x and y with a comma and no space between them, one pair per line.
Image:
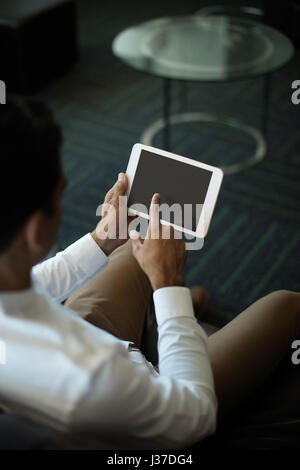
210,198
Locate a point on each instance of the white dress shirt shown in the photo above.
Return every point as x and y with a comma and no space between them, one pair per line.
65,373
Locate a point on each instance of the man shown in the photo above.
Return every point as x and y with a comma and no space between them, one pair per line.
77,375
76,367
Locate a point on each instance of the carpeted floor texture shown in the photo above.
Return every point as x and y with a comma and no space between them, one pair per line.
253,246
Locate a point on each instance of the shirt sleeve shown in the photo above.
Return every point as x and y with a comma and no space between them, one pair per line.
71,268
170,410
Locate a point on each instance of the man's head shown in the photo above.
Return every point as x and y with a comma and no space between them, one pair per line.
31,177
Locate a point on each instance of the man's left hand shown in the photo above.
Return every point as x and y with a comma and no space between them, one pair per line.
108,234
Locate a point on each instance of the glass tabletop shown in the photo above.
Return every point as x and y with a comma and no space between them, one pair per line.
203,48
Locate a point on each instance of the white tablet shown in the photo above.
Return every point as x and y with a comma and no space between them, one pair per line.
188,188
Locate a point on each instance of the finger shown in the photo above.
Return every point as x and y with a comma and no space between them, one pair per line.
154,203
109,195
120,186
154,228
167,232
136,241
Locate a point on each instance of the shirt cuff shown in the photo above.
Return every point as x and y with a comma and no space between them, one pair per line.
172,302
87,254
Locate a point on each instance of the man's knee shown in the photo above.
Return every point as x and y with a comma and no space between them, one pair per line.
286,295
290,303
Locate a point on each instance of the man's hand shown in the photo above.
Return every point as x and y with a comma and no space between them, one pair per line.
162,259
108,233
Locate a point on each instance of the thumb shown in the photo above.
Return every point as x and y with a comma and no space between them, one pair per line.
136,240
121,185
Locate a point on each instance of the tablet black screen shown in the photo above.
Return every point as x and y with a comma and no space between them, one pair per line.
175,181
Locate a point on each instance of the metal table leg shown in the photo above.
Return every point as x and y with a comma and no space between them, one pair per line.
266,101
166,112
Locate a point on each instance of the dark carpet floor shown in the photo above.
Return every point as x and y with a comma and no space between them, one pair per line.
253,244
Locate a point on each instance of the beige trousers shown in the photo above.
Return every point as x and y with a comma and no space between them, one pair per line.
243,353
118,298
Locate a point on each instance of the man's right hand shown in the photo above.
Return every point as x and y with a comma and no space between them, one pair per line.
161,258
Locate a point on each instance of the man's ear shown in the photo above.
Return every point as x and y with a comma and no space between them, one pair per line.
36,234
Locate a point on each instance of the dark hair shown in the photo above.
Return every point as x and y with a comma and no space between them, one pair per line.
29,163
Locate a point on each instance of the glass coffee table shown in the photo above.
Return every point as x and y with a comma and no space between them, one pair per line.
205,49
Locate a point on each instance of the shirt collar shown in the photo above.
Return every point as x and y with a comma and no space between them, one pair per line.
16,298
